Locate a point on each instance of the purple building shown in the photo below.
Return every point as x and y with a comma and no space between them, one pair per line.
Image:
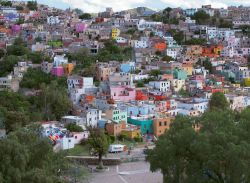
80,27
57,71
15,28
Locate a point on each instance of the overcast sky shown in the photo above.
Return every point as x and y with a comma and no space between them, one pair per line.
94,6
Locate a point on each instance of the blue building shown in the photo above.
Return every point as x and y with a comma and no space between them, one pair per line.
127,67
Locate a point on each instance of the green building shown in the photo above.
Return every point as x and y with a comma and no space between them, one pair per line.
146,125
180,74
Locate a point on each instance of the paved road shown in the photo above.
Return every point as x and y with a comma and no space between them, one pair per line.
135,172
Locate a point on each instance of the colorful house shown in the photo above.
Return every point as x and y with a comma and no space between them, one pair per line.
161,125
180,74
160,46
212,51
122,93
131,131
246,82
68,68
80,27
188,67
116,115
145,124
57,71
115,32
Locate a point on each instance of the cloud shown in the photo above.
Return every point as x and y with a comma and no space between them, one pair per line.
93,6
199,3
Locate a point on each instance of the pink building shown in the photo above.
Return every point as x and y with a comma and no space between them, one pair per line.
57,71
80,27
122,93
198,78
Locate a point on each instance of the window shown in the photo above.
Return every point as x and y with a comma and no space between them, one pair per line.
165,123
159,123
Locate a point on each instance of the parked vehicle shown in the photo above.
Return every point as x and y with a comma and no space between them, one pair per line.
116,148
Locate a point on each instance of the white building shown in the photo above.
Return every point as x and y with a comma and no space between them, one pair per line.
77,86
162,86
196,104
8,83
121,40
177,84
60,60
74,120
143,24
172,52
139,43
92,116
52,20
139,77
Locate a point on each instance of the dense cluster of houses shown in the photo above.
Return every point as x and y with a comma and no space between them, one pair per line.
118,104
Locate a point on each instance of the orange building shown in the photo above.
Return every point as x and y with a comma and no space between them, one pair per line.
114,128
160,46
162,124
212,51
194,50
188,67
68,68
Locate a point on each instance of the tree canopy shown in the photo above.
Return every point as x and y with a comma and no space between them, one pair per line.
218,101
32,5
201,17
218,153
74,128
85,16
27,157
99,142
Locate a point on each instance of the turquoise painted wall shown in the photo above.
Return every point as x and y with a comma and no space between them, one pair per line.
145,125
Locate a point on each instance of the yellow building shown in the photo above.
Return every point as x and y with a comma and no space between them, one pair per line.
188,67
115,32
218,49
246,81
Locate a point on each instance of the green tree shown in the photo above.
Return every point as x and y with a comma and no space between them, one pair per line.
15,110
208,66
171,152
30,158
53,101
218,153
19,8
85,16
201,17
155,73
74,128
140,84
6,3
35,57
2,53
218,101
167,58
18,48
179,37
196,41
99,142
32,5
34,77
